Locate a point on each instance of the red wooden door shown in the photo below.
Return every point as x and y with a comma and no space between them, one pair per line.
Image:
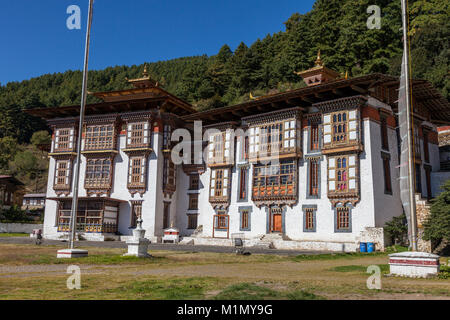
276,226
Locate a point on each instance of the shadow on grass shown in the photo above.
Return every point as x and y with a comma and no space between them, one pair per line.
360,269
104,259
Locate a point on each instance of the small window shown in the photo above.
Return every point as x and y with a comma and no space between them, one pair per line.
193,202
243,184
314,178
221,221
387,175
245,219
384,133
343,219
192,221
194,182
314,137
310,219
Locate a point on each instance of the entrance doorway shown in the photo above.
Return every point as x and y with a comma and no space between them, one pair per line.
276,220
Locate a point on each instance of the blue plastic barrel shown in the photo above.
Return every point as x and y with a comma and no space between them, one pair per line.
363,247
370,247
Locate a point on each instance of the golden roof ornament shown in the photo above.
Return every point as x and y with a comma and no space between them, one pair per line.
145,73
319,61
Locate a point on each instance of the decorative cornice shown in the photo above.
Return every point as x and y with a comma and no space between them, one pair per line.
274,116
341,104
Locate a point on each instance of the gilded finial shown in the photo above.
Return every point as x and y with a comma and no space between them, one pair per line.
145,73
346,75
319,60
252,97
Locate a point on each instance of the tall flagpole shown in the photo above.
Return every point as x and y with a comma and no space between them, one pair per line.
73,215
412,200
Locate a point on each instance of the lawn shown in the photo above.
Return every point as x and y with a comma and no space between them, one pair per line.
8,235
33,272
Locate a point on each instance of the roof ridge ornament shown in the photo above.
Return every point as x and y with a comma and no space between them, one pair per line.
319,61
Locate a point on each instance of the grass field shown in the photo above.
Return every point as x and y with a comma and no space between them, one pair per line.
6,235
31,272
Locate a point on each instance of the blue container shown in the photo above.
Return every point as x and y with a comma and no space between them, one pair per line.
370,247
363,247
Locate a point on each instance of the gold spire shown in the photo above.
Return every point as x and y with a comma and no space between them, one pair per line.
319,60
145,73
346,75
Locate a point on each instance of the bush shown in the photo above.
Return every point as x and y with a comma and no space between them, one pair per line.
437,226
397,230
14,215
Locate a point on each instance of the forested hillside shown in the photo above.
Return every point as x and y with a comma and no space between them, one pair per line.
337,27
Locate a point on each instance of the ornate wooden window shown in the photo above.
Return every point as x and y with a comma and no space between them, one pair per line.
309,219
273,139
220,148
343,218
245,148
273,181
384,133
169,175
314,137
194,182
136,212
192,221
64,140
167,135
136,172
342,174
314,177
221,221
98,173
99,137
219,185
193,201
63,174
340,129
138,134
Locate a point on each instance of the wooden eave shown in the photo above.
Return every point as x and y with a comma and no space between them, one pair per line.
170,103
302,97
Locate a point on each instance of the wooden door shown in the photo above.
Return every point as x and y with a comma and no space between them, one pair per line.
277,223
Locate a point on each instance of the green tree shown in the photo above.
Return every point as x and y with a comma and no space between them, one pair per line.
8,149
437,226
41,137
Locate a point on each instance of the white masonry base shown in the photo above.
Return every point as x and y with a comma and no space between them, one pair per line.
138,245
71,253
276,244
414,264
138,248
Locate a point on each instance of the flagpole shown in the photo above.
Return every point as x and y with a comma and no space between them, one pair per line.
409,118
73,215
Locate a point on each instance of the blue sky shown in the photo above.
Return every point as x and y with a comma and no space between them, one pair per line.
35,40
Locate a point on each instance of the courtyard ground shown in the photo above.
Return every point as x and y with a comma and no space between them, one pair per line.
32,272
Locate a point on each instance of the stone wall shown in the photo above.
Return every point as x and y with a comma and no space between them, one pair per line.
423,211
19,227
